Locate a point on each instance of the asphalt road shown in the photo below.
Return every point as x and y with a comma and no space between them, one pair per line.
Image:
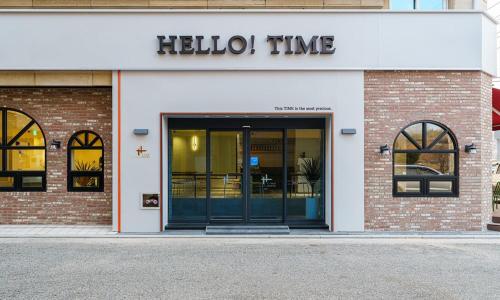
248,268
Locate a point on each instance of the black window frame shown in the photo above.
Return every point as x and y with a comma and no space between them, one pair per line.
6,145
85,145
425,180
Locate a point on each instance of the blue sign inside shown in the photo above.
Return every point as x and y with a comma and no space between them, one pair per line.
254,161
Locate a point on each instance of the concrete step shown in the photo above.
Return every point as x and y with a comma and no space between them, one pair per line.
493,226
242,229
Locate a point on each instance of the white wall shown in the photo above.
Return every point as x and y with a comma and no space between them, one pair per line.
146,94
365,40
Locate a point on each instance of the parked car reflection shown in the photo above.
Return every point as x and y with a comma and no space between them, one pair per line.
414,185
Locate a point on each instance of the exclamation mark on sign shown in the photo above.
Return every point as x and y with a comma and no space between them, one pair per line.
252,42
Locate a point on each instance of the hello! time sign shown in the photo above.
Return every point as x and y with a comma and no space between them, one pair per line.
238,44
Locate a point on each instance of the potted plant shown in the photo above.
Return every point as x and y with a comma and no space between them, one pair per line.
311,170
86,181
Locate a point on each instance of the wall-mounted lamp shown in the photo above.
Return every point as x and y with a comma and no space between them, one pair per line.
384,150
55,145
141,131
194,143
348,131
471,148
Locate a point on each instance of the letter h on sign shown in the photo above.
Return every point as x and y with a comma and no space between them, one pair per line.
162,44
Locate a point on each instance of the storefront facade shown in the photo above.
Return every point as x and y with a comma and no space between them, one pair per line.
156,120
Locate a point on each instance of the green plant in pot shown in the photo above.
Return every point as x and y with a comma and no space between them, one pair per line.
311,170
83,166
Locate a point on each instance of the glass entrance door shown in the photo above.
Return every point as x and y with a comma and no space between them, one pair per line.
246,171
226,199
266,174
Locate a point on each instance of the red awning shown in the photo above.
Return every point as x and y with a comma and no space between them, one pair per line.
495,109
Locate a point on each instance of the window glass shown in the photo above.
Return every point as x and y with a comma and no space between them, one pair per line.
408,186
32,182
226,153
434,164
13,158
86,181
32,137
189,163
436,159
97,143
16,121
415,132
304,173
86,160
401,4
440,186
402,143
78,140
430,4
188,180
6,182
433,132
26,160
445,143
1,129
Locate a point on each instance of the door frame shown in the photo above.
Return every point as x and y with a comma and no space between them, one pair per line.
328,146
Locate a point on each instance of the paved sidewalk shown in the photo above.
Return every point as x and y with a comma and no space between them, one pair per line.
86,231
55,231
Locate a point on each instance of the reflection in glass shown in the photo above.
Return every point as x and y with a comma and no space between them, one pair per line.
433,132
226,165
424,164
440,186
304,174
32,181
188,181
266,174
431,5
408,186
404,143
445,143
415,132
401,5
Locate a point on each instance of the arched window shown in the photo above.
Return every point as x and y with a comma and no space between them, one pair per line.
22,152
85,162
425,156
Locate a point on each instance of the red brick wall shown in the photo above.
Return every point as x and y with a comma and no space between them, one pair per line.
61,112
459,100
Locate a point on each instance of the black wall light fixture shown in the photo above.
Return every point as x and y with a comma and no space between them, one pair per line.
55,145
348,131
471,148
384,149
141,131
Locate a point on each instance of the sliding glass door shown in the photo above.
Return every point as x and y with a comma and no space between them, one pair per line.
228,172
266,175
226,176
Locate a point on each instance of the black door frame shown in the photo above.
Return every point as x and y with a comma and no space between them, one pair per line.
246,125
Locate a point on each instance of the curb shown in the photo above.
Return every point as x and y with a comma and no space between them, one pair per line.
266,236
